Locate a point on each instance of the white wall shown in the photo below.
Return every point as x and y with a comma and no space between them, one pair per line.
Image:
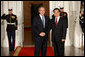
78,32
18,10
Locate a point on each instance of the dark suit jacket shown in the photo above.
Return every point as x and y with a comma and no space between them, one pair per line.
59,31
37,26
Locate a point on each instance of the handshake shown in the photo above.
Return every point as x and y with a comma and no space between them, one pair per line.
42,34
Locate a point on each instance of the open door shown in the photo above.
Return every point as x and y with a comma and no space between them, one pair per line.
31,10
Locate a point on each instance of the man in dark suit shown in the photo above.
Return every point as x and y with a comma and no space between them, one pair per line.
40,29
58,26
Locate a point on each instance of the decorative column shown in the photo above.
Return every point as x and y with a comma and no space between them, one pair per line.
4,39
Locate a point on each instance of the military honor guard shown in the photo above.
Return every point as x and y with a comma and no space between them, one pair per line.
64,15
12,24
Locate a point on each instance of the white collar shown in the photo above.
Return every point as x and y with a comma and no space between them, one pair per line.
58,17
40,16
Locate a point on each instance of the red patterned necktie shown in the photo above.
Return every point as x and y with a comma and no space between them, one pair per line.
56,22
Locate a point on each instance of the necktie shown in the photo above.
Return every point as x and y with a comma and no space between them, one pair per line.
56,22
43,21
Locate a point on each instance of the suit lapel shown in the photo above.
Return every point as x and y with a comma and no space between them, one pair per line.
40,20
45,20
54,21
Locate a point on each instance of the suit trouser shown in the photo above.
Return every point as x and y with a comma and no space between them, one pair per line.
40,45
58,47
11,36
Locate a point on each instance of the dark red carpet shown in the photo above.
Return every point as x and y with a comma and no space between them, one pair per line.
29,51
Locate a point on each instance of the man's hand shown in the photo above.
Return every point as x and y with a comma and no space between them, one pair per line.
42,34
63,40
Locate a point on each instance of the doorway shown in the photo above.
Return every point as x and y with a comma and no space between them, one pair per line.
31,10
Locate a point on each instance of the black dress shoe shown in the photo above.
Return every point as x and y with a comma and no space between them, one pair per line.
10,50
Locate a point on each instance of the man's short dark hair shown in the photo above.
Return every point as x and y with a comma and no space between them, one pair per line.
41,7
56,9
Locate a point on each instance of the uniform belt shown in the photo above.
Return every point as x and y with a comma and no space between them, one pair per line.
11,23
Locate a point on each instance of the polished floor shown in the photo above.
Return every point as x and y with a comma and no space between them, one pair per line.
69,51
